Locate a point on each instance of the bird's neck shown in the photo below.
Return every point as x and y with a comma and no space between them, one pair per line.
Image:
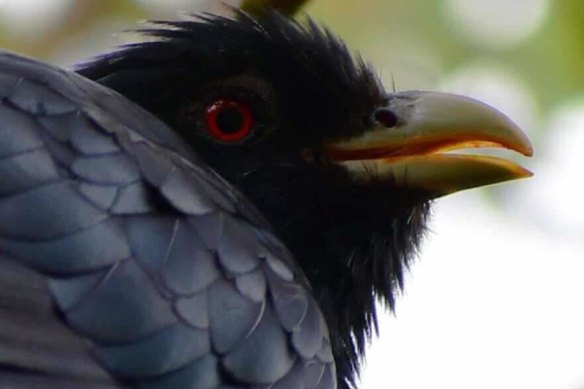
353,255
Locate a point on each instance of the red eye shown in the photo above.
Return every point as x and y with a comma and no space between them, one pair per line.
229,120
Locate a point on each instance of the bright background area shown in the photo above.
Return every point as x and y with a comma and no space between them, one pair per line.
496,299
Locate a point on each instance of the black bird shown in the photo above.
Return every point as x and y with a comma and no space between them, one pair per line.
241,244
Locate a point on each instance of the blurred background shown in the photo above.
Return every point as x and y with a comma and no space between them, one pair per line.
496,297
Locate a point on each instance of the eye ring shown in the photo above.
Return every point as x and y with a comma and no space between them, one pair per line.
229,120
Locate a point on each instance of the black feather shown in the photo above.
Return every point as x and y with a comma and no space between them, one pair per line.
352,242
102,290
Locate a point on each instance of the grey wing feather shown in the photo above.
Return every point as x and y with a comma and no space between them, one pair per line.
127,261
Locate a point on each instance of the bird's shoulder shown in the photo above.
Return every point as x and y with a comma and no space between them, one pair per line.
137,256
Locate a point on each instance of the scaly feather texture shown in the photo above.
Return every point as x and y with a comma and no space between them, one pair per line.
352,242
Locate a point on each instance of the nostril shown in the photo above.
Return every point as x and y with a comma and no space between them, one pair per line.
385,117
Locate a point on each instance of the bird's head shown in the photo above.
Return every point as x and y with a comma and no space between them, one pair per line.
342,169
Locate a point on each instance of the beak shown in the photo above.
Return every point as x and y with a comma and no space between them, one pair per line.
413,133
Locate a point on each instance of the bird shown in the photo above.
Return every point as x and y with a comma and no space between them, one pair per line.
219,206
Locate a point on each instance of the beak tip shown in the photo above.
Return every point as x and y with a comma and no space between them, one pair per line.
526,174
525,149
523,145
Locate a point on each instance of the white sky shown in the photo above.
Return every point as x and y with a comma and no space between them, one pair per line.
497,23
493,303
38,14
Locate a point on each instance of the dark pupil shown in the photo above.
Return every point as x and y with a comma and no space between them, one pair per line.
229,120
385,117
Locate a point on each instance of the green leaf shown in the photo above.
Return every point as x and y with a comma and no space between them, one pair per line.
286,7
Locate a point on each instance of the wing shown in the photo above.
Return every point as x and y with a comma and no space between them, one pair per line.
127,261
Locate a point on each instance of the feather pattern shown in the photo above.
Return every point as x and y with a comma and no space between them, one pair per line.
120,262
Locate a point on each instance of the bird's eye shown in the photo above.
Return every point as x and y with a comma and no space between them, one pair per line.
229,120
